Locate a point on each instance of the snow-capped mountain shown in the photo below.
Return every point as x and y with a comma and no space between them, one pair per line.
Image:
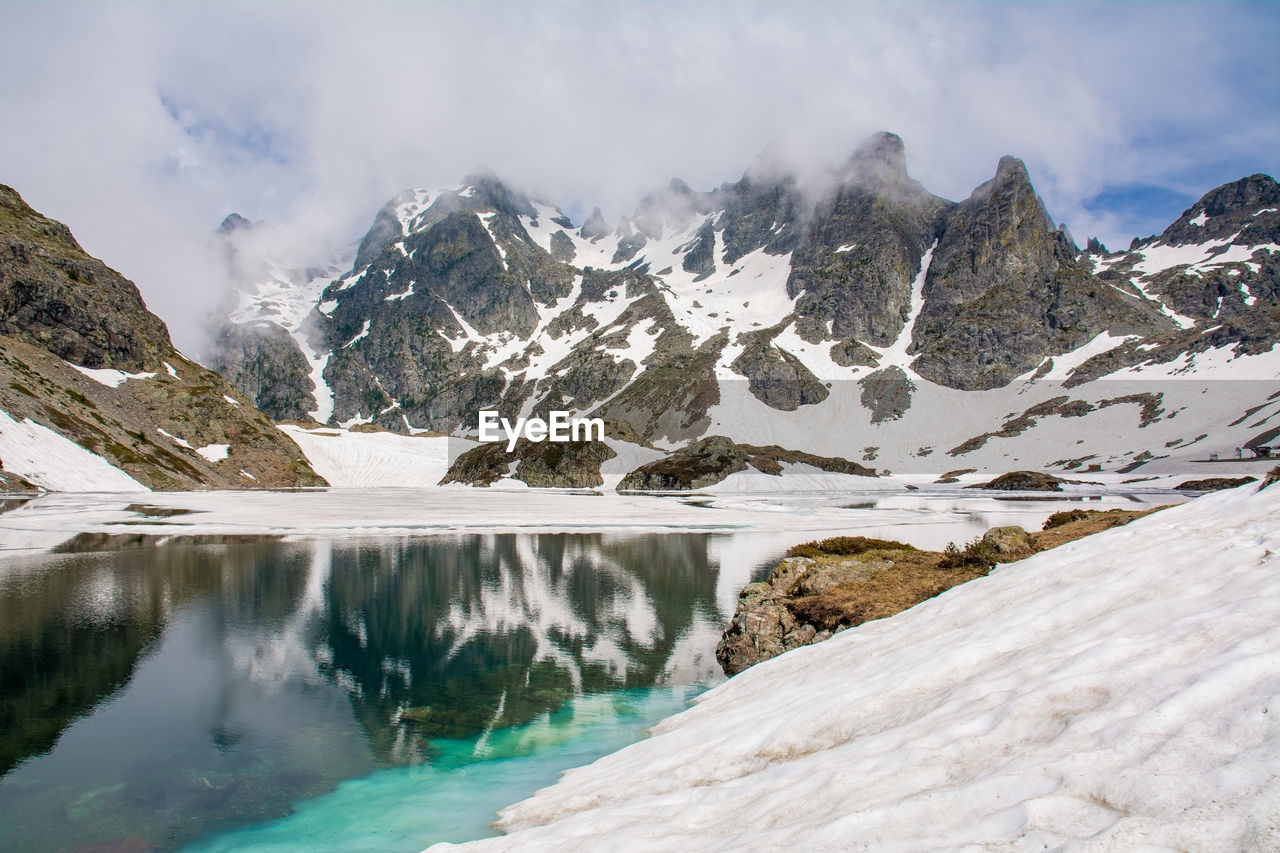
871,320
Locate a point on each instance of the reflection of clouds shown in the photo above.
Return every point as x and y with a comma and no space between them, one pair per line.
289,652
534,591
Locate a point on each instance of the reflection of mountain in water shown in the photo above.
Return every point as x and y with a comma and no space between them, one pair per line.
448,639
73,629
428,637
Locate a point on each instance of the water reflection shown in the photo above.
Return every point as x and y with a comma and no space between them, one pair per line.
190,688
488,631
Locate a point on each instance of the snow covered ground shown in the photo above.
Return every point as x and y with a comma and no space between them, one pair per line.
1118,693
360,459
926,520
49,460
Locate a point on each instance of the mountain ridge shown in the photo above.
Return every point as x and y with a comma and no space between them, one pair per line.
87,371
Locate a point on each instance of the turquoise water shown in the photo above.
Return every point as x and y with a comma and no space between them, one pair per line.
455,798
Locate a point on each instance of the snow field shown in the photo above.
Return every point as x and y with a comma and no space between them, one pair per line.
47,459
359,459
1117,693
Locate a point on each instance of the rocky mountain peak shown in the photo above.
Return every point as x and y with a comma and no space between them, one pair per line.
1011,179
1235,210
13,206
488,190
881,159
863,249
233,223
1247,195
1005,290
595,227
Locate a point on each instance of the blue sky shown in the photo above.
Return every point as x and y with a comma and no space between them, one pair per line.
142,124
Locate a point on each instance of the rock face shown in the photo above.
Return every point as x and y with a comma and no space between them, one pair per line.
560,465
709,460
1005,289
56,297
852,277
887,393
61,309
263,361
763,626
776,377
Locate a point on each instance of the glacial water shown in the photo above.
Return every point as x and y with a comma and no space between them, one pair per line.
371,694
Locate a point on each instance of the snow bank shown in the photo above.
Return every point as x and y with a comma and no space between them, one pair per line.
1121,690
56,463
360,459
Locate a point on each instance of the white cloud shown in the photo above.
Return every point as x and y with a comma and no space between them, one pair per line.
142,125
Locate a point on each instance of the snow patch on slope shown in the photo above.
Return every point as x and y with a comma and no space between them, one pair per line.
214,452
109,377
56,463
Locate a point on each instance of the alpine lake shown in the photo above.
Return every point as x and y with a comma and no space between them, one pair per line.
372,693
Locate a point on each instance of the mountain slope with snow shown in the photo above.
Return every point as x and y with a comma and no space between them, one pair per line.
93,394
1118,692
867,319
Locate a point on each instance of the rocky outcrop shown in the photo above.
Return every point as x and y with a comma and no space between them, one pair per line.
776,377
549,465
61,309
13,484
821,588
1214,484
824,587
886,393
1005,289
709,460
1024,481
264,362
852,276
763,626
54,296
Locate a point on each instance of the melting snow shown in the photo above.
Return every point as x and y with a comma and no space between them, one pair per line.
1199,220
356,459
364,331
182,442
214,452
109,377
44,457
896,353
